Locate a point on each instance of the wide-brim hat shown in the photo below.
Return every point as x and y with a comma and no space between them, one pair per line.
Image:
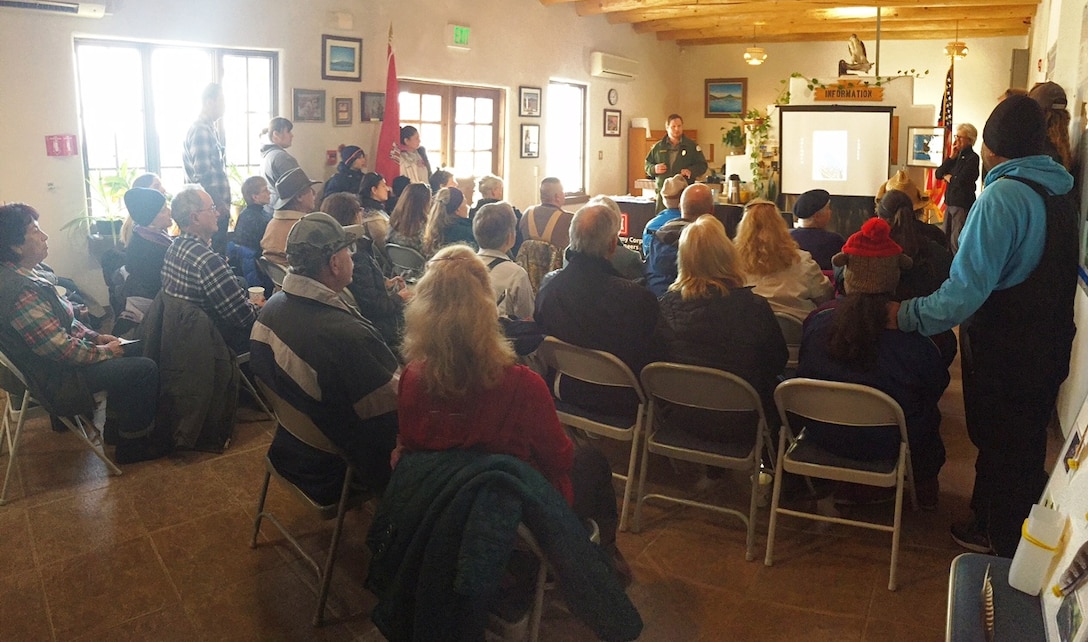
291,184
904,184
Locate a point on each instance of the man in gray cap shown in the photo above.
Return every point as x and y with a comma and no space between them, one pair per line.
1011,287
813,213
322,357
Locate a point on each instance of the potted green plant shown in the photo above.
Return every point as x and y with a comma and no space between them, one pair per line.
733,139
102,228
759,128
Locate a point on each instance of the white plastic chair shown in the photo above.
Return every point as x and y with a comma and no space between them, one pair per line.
709,389
603,369
303,428
791,331
853,407
14,420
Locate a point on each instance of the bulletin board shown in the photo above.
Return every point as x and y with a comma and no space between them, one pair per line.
1066,617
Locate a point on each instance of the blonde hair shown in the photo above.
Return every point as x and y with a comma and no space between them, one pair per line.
451,327
706,260
439,219
763,242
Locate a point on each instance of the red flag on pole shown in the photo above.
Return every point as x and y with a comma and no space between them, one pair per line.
387,158
934,185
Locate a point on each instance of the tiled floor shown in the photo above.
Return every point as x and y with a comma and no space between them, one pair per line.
161,553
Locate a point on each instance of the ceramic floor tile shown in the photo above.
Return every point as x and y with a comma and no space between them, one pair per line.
767,621
25,616
177,496
883,631
16,540
821,574
95,591
73,526
169,624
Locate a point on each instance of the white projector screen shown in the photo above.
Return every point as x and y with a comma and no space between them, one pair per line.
843,150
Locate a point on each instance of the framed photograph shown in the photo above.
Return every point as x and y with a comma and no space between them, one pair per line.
372,105
529,102
726,97
530,141
309,105
612,119
342,112
341,58
926,146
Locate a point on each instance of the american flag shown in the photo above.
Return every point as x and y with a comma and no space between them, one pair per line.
934,185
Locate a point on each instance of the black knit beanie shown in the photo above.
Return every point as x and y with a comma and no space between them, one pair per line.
1016,128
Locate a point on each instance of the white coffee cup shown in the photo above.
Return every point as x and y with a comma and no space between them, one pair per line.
256,294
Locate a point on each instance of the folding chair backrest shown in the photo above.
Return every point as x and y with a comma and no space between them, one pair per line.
10,366
272,270
699,387
297,423
791,327
405,258
844,404
591,366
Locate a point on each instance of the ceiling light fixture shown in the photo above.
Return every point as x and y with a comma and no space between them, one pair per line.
754,55
956,50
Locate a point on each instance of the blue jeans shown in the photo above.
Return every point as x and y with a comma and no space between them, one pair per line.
132,388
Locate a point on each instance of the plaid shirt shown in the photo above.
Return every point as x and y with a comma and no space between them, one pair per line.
48,335
205,162
191,271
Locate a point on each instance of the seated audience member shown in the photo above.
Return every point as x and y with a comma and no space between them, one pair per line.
813,212
320,356
441,179
548,221
380,300
493,228
147,249
396,189
929,261
589,304
349,172
695,201
191,271
373,193
296,200
781,272
254,219
409,218
713,320
848,342
149,180
626,261
902,182
463,390
65,361
670,196
448,222
492,190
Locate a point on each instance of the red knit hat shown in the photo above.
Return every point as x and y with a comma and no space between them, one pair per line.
872,260
874,239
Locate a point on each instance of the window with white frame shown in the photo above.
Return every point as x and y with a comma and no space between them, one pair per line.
565,135
138,100
460,126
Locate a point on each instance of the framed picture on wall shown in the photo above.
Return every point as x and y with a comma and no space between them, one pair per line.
309,105
612,119
926,146
725,97
372,105
342,112
529,101
530,141
341,58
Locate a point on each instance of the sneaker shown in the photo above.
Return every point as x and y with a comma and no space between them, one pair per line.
927,491
971,536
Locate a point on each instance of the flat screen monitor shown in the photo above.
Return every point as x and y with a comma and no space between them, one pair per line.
843,150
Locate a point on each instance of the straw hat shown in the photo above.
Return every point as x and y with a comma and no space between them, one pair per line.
903,183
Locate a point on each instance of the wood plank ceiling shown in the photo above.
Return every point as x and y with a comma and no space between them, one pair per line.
702,22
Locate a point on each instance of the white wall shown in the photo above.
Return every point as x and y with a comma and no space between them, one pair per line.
510,47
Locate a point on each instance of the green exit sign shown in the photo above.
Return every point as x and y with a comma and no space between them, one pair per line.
457,36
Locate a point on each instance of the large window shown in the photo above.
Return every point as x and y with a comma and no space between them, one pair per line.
138,100
565,130
460,126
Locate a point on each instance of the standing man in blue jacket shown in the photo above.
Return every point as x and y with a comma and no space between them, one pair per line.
1011,288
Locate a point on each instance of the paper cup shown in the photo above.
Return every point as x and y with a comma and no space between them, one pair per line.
256,294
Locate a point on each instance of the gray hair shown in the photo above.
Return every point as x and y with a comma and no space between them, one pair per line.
592,230
550,187
186,203
493,224
488,184
967,129
612,206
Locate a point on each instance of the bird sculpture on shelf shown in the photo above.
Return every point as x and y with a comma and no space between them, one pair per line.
858,61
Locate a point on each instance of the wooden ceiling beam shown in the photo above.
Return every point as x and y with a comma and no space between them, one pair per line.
891,19
831,36
694,7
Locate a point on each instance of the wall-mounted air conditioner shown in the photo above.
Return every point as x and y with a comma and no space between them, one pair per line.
79,9
603,65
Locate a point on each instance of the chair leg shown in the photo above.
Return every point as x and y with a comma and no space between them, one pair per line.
538,601
13,441
326,574
75,426
897,525
641,484
260,510
253,391
776,494
751,540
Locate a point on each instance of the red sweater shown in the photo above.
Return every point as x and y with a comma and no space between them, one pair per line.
515,418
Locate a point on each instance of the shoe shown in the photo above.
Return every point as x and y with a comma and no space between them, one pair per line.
971,536
847,494
928,492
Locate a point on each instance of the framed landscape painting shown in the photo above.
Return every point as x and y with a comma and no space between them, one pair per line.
725,97
341,58
309,105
